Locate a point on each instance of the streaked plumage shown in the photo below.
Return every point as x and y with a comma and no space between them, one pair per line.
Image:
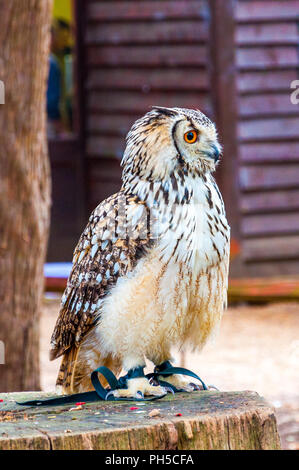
150,269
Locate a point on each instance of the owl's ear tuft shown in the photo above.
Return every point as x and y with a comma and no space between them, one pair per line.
165,111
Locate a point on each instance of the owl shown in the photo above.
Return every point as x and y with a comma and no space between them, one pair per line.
150,269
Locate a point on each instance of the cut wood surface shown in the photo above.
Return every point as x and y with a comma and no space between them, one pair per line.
201,420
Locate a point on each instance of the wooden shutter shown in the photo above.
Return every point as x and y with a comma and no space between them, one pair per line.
267,46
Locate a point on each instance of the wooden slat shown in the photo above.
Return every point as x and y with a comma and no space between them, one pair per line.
104,170
260,152
104,176
267,33
270,176
223,93
267,59
255,11
266,104
148,33
146,56
266,249
67,211
278,139
267,128
270,56
145,10
280,288
139,103
273,68
268,269
107,123
265,80
270,224
106,146
146,80
270,201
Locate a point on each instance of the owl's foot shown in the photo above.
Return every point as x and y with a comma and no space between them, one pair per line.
181,383
136,385
138,388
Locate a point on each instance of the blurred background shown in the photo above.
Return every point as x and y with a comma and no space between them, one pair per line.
235,60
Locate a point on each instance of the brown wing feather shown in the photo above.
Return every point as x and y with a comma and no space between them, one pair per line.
112,242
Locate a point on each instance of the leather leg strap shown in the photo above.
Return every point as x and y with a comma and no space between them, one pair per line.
100,393
166,369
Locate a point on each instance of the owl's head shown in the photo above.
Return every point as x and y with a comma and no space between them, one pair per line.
167,140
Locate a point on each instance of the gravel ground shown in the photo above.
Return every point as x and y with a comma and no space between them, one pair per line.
257,349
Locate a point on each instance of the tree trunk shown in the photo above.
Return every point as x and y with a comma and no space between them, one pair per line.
24,186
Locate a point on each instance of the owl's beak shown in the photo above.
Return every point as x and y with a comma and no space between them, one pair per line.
216,152
213,152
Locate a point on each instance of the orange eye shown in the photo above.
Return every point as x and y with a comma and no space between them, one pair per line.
190,137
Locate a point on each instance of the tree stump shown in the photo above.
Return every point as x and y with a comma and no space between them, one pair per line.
201,420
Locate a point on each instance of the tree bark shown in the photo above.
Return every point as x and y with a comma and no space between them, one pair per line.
24,186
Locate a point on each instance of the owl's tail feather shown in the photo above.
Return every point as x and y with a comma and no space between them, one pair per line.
76,367
65,378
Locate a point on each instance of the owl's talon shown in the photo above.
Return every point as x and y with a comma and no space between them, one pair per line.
153,382
196,387
109,393
169,389
182,383
213,387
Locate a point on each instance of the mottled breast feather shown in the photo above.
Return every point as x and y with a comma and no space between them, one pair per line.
116,236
